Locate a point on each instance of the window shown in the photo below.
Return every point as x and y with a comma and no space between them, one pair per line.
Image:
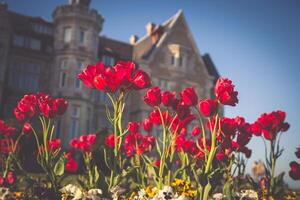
101,97
173,60
24,76
77,82
39,28
75,112
64,64
73,128
81,36
80,65
181,60
18,40
35,44
108,61
67,34
62,81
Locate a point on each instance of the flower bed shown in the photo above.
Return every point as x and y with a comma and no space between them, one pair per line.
184,149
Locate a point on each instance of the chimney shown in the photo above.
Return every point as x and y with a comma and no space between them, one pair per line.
133,39
150,28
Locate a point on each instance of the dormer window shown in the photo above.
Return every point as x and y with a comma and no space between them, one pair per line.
178,55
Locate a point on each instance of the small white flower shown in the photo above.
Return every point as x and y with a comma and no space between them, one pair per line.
142,194
73,191
5,193
165,194
116,192
249,193
94,194
218,196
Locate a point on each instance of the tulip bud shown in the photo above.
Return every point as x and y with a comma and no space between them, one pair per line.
26,128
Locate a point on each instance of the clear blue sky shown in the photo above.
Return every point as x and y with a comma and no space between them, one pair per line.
254,43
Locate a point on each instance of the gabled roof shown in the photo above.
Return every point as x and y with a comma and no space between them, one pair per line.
146,49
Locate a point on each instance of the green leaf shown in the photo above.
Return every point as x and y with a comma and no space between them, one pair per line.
59,167
96,174
227,190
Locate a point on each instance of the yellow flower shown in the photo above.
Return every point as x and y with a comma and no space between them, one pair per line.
150,191
184,188
17,194
132,196
290,196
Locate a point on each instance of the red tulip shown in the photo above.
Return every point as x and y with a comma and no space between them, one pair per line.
74,143
1,181
5,129
133,127
155,117
256,130
189,96
10,178
270,124
110,141
59,106
26,108
157,163
147,125
182,110
71,165
295,170
26,128
91,139
246,151
123,76
54,144
88,74
225,93
168,98
220,156
136,143
228,126
141,80
208,107
153,96
196,131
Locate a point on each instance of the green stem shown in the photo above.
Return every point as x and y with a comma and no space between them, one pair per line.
273,162
162,160
207,187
